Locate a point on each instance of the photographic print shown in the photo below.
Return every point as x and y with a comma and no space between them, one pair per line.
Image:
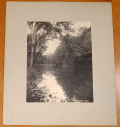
59,62
59,56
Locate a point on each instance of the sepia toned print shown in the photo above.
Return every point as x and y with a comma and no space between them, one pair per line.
59,62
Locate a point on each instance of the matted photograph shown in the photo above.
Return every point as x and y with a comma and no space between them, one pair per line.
59,62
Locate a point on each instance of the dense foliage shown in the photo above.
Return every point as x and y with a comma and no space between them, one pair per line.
67,68
71,50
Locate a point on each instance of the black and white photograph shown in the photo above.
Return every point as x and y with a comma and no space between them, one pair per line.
59,62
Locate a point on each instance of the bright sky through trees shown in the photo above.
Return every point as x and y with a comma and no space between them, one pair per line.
52,45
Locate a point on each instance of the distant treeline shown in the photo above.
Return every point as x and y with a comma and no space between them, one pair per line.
73,50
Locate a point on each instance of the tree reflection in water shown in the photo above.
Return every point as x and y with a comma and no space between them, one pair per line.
60,84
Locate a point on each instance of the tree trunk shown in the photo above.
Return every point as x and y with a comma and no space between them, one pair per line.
31,57
32,44
40,42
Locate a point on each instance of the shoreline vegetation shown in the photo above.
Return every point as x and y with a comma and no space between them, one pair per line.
75,81
73,48
69,66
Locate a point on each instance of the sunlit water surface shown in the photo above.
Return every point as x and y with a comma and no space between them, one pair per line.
60,84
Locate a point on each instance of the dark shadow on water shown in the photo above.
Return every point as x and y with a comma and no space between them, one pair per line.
50,83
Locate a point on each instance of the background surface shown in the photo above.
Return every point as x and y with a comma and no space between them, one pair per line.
116,30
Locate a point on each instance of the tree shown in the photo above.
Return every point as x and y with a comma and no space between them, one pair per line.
41,31
72,47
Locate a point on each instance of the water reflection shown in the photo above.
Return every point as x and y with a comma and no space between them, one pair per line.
60,84
51,88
